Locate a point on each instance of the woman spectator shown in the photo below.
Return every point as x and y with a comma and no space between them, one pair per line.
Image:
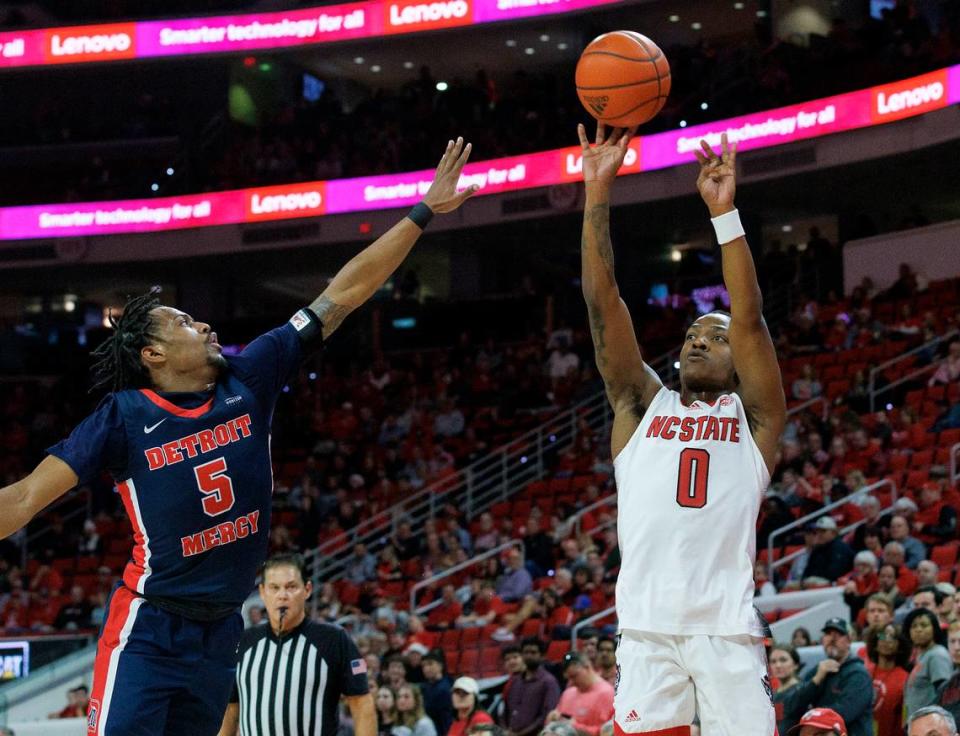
888,653
800,638
466,708
761,581
411,712
388,721
862,583
807,386
932,665
784,666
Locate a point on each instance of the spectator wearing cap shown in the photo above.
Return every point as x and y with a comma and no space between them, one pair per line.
935,522
947,609
531,694
840,681
932,665
913,549
436,690
515,583
588,702
830,557
932,721
466,707
820,722
888,655
862,582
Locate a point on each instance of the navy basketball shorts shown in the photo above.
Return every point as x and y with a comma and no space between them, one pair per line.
160,674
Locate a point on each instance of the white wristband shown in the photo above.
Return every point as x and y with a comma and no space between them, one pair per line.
728,227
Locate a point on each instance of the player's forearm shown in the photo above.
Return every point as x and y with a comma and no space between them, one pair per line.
364,715
363,274
740,278
18,510
596,249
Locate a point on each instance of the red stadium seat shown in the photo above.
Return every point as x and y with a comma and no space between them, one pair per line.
469,663
945,555
490,661
921,459
556,650
470,637
450,639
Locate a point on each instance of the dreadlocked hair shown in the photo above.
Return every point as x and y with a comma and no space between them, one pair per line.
117,361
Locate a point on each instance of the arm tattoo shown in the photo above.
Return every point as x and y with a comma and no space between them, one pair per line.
596,220
330,314
597,329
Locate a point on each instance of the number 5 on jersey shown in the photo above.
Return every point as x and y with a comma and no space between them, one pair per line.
216,487
692,478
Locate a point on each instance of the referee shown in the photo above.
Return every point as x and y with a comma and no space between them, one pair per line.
291,672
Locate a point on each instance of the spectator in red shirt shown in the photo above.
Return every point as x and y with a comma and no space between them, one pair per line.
935,522
487,607
861,583
446,614
888,663
77,701
466,707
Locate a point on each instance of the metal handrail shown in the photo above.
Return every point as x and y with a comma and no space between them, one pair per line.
586,622
610,500
953,462
874,392
810,402
803,520
490,480
518,543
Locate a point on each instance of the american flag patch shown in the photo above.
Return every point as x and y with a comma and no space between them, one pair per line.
358,666
300,321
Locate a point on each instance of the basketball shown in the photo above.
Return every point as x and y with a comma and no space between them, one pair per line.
623,78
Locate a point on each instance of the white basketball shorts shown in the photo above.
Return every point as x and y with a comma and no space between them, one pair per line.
663,681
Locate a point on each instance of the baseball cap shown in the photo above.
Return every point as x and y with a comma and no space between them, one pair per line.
837,624
435,655
821,718
467,684
947,588
825,522
416,647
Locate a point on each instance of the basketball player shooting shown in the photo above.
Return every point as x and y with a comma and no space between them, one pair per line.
185,432
691,468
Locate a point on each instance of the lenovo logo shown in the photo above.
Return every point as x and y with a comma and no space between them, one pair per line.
297,200
404,16
911,97
92,43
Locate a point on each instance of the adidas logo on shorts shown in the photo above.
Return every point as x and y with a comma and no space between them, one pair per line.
632,717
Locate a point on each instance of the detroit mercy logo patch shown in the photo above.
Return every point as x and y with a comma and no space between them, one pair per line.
92,715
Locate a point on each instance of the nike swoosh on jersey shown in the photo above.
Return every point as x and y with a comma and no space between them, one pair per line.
148,430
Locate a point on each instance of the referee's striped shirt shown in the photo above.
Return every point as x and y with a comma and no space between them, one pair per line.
291,686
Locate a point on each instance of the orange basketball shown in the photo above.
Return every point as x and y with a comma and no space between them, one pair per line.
623,78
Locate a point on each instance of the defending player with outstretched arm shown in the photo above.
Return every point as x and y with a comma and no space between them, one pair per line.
185,433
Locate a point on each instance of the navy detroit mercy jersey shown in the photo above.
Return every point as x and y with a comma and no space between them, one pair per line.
194,474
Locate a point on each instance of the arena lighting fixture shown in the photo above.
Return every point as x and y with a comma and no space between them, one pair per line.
675,255
408,65
674,19
375,68
562,46
170,171
442,86
704,105
358,60
761,13
529,51
511,42
683,123
696,25
266,66
738,6
312,376
544,37
676,365
154,187
787,228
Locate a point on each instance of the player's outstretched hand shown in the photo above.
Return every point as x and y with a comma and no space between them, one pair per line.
602,161
717,180
442,196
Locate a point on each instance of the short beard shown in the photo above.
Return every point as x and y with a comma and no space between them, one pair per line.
218,361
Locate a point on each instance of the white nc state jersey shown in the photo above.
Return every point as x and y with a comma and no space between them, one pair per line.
689,487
